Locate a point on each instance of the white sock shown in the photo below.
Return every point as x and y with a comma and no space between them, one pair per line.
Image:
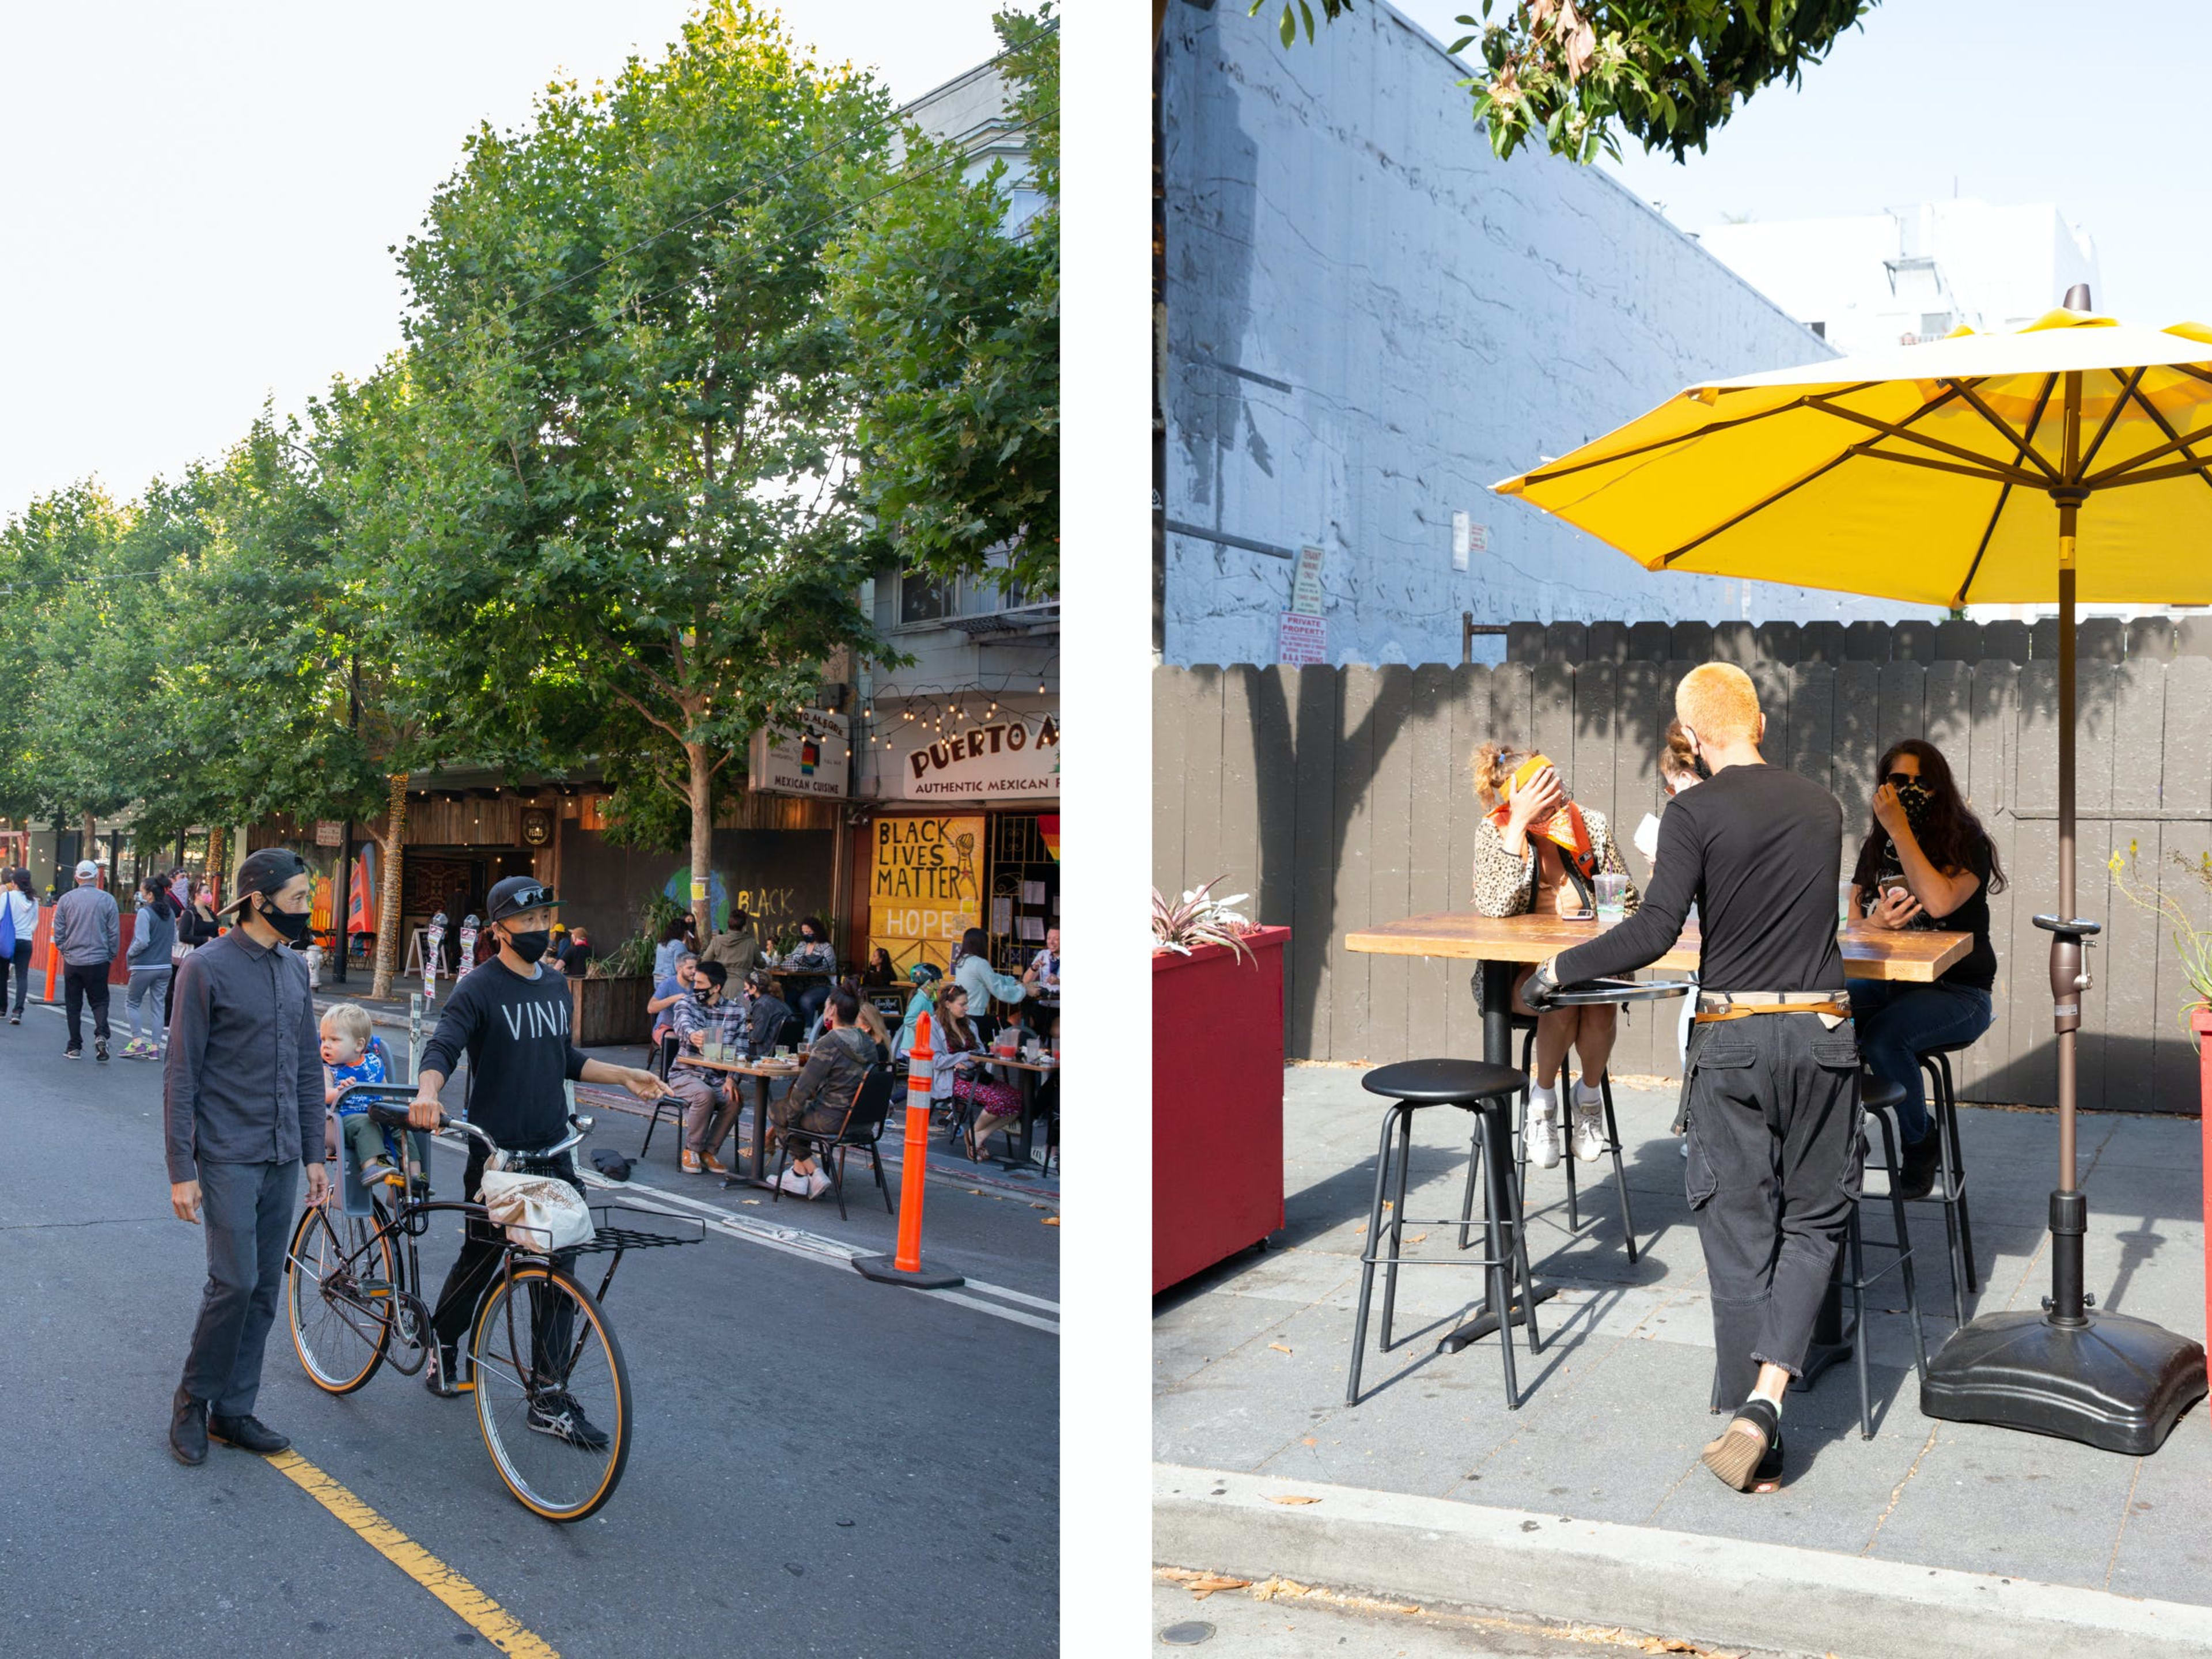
1773,1400
1586,1096
1543,1101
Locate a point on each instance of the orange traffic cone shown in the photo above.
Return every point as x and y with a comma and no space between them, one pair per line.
906,1268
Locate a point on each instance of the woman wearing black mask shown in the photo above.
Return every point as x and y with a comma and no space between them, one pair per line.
1926,863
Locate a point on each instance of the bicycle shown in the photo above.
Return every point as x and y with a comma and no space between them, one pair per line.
551,1389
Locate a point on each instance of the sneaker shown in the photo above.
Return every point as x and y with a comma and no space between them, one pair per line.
713,1166
796,1185
1541,1139
99,1051
377,1170
560,1416
1921,1161
691,1165
442,1375
72,1053
1588,1127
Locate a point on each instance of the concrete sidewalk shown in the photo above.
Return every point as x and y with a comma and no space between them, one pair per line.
1250,1363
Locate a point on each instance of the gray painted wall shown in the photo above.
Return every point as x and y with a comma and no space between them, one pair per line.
1371,320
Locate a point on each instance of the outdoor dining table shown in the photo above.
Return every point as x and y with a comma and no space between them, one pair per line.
1031,1073
1502,945
762,1071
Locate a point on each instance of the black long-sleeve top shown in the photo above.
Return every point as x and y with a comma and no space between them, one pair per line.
1758,850
243,1082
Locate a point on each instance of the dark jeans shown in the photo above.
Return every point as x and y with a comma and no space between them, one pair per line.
82,983
809,1005
1898,1021
1773,1170
246,1212
20,962
476,1269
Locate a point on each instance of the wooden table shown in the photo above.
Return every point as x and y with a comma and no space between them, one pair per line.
761,1071
1503,944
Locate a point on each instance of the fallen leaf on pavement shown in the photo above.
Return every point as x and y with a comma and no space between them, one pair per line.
1310,1441
1361,1228
1289,1497
1417,1238
1278,1348
1201,1585
1050,1221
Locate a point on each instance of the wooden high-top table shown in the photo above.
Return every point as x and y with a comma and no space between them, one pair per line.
1501,944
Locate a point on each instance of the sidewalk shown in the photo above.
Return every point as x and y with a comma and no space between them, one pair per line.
1250,1363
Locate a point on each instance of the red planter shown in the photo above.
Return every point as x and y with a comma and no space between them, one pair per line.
1217,1104
2200,1021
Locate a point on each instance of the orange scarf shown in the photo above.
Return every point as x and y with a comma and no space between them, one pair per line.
1565,829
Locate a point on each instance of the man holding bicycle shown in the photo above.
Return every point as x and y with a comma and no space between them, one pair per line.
511,1016
242,1104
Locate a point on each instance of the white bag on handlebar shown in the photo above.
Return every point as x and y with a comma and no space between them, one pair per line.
541,1213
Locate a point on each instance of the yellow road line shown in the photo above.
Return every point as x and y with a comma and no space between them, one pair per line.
479,1611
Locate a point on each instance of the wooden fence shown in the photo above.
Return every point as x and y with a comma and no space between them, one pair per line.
1340,797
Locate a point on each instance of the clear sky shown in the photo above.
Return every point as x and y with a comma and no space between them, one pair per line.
198,194
2010,100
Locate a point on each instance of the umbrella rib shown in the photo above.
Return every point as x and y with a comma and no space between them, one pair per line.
1997,468
1871,453
1981,548
2176,439
2027,450
1548,474
1826,466
2111,415
2175,442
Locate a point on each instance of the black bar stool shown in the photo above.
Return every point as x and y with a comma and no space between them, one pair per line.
1482,1090
1950,1188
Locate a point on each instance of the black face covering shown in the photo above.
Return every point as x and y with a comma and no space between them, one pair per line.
532,946
292,924
1919,804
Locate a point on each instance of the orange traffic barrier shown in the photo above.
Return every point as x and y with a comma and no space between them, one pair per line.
906,1268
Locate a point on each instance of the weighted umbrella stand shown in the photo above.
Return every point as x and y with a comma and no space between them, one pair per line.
2106,1379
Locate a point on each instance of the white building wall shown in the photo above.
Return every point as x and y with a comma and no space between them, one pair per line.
1371,320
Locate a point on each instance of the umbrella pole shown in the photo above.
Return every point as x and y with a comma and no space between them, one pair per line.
2069,1209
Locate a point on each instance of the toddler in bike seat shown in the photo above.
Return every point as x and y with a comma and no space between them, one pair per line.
350,1055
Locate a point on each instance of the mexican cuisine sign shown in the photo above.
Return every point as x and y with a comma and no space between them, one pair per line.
926,888
810,760
1015,755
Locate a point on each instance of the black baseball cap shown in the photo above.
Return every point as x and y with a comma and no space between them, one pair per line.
512,896
265,872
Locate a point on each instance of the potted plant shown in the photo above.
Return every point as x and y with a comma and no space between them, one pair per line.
1216,1082
608,1003
2194,946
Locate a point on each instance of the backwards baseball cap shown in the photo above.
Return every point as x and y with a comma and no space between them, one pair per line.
512,896
264,873
87,870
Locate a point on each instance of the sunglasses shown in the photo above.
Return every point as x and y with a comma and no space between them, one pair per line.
1898,780
529,898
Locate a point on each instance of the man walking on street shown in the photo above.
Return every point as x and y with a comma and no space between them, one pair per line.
87,931
243,1102
1771,1095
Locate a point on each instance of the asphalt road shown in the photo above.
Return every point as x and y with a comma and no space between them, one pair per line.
822,1465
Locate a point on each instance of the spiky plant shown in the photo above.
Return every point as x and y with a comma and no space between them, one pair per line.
2191,943
1198,918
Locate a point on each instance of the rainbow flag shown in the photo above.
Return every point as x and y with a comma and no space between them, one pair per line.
361,908
1049,827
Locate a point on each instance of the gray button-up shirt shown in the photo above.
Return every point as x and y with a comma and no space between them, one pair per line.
244,1079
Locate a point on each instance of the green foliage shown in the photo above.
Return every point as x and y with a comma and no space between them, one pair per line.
2193,945
954,331
1668,73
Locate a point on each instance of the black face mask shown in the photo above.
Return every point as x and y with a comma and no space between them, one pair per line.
530,946
292,924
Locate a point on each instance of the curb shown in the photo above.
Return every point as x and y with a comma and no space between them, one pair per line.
1721,1591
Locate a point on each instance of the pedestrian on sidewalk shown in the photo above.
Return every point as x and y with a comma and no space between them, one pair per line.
1771,1098
87,931
22,904
242,1100
195,926
153,934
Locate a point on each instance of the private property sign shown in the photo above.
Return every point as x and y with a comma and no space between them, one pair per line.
992,760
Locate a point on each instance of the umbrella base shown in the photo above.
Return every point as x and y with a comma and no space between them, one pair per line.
2113,1382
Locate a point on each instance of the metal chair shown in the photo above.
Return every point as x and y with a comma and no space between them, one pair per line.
1950,1188
863,1127
1480,1089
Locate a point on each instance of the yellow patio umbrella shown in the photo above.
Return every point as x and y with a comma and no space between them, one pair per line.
2070,461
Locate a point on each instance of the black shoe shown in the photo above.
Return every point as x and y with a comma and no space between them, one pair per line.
560,1416
247,1433
99,1048
1916,1178
72,1053
442,1375
188,1429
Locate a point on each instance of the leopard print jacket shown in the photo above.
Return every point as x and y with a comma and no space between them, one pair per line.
1506,886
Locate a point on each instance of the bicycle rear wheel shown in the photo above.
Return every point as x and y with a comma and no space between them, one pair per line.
552,1393
338,1298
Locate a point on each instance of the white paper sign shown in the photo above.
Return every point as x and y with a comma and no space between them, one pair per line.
1300,641
1002,916
1305,582
1461,539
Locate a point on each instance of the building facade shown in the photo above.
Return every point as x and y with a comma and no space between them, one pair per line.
1368,320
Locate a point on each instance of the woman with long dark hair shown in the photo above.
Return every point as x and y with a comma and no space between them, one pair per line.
1926,863
22,902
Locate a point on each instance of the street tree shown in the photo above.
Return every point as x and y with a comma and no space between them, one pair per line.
636,524
951,306
1668,73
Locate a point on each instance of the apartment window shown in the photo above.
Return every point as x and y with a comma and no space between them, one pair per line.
923,597
1820,329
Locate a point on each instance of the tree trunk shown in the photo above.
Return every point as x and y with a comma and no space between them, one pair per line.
703,838
88,843
216,869
387,903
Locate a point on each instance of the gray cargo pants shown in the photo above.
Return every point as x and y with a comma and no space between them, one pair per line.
1775,1155
247,1211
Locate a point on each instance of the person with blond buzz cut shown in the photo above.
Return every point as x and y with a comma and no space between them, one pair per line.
1771,1088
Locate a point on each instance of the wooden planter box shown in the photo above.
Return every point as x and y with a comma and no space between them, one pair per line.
1217,1104
606,1012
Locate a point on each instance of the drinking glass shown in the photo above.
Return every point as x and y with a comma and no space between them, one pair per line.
1612,899
1843,904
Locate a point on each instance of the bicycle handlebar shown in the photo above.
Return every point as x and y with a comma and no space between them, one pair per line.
387,1109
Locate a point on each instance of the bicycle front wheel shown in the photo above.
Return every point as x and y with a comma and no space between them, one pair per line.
552,1393
338,1285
